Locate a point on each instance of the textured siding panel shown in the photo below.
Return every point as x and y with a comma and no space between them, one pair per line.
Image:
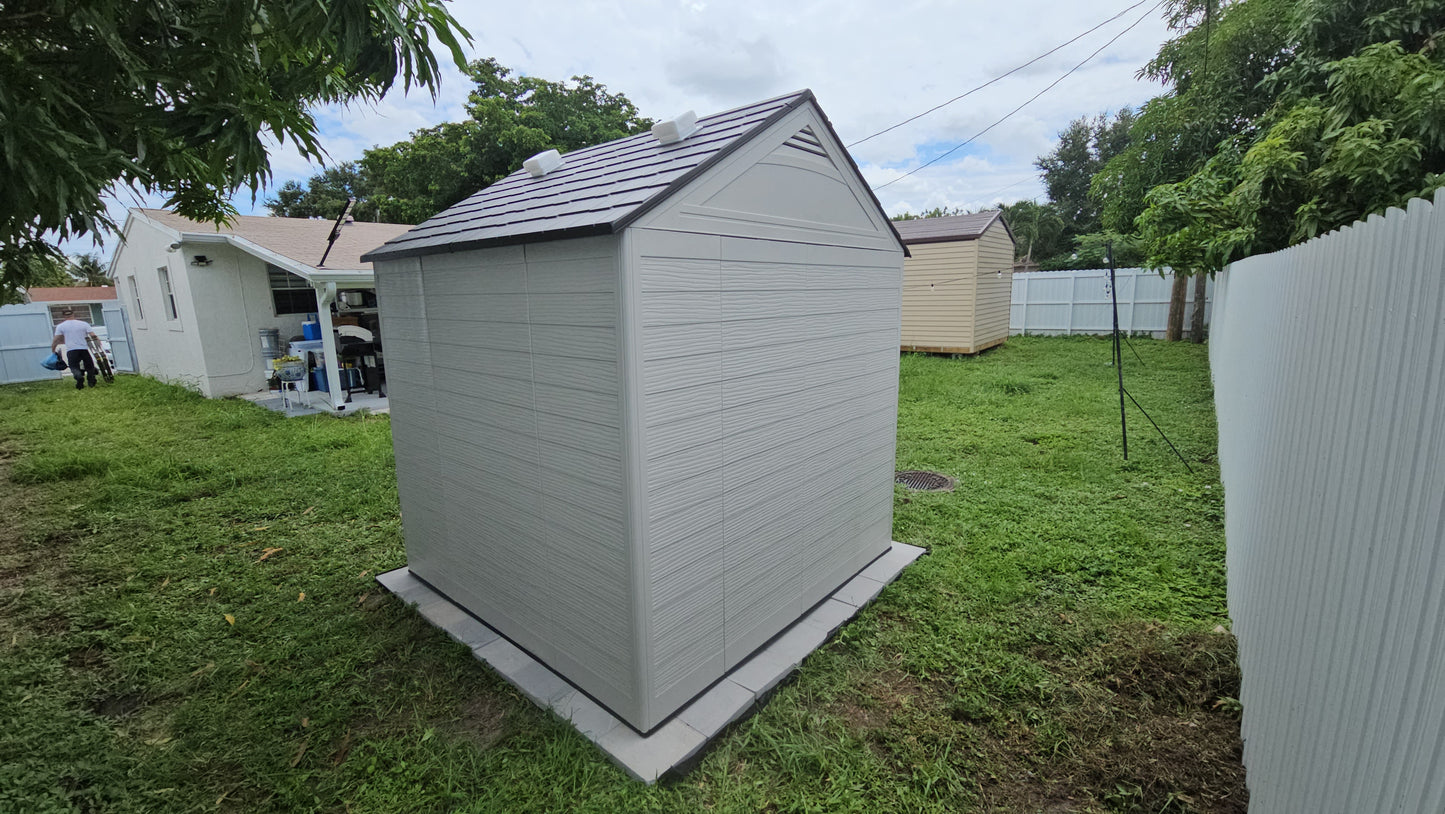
938,295
762,362
1329,370
994,286
507,421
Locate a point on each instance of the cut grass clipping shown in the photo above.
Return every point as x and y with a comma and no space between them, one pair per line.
189,621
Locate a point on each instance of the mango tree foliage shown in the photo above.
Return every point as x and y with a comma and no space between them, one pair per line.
1212,71
179,97
509,119
1282,119
1374,139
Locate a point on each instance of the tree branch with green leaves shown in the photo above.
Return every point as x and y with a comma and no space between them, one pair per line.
180,97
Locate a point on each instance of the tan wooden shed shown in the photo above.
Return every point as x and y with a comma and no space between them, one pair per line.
956,283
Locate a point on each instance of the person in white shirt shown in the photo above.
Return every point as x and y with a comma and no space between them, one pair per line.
72,333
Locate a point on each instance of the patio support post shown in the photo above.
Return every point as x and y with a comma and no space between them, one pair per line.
325,295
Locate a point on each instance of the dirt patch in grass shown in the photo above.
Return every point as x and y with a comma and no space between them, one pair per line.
120,705
884,695
481,720
1141,719
1143,722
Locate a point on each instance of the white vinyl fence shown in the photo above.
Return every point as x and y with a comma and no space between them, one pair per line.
1079,302
25,333
1329,372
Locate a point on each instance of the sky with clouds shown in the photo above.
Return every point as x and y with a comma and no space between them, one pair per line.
871,65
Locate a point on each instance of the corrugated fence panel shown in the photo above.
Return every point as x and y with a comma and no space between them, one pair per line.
1080,302
1327,362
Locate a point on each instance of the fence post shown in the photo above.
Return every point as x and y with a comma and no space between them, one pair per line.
1024,312
1073,293
1127,325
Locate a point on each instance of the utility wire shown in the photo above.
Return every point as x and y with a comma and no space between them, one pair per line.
1000,76
1030,100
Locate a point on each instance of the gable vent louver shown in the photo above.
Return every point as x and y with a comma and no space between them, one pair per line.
543,163
807,142
675,129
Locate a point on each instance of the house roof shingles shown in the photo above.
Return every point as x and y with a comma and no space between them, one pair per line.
597,190
300,239
955,227
70,294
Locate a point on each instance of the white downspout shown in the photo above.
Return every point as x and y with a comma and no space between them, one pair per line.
325,295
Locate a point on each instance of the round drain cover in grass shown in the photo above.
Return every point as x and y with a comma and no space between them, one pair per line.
921,481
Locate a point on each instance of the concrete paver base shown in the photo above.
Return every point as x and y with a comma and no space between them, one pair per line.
676,742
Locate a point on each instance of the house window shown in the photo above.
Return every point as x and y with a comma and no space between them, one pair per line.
289,293
89,312
168,297
135,293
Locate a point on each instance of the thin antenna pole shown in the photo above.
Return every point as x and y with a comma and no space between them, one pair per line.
336,230
1118,350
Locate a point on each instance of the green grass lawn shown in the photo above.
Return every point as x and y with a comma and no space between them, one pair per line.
189,621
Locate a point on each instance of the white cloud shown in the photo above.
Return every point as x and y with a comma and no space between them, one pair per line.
718,68
871,64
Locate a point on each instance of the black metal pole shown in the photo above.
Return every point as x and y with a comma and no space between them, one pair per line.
336,231
1118,351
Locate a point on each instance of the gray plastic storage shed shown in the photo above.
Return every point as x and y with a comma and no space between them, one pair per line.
644,405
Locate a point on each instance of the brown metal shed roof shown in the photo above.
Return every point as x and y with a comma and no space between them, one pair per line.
597,190
954,227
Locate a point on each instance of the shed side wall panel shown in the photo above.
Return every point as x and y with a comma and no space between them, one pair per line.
994,288
401,304
939,281
768,346
761,361
523,389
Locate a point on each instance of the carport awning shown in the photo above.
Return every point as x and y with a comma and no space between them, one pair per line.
343,278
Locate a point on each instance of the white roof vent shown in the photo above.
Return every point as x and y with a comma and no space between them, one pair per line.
543,163
675,129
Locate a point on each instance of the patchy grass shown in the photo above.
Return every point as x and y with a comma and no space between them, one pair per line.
188,620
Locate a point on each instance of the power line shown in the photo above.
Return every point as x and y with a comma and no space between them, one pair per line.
1049,52
931,285
1030,100
1009,187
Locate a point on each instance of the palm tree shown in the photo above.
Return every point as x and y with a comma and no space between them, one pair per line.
89,271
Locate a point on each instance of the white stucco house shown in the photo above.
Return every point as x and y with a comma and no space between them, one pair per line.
197,296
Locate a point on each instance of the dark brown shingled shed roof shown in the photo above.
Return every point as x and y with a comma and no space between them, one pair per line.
597,190
955,227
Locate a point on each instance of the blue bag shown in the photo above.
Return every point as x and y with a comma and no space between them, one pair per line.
53,362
